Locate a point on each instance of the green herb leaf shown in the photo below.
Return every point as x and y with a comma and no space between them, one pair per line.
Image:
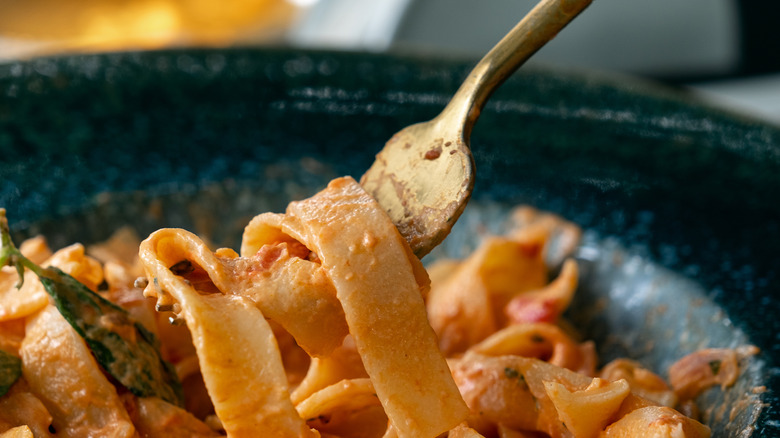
10,371
123,347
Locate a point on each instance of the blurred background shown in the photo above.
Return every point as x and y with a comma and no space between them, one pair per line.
725,50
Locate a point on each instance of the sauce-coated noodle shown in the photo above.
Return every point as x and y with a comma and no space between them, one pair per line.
327,325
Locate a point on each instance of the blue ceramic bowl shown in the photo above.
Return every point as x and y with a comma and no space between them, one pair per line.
679,200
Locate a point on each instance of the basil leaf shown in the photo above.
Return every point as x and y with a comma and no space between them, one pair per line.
10,371
123,347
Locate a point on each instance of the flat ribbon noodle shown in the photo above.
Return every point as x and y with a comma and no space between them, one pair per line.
237,351
469,305
291,291
20,407
377,282
543,341
349,408
31,297
155,417
18,432
344,363
60,368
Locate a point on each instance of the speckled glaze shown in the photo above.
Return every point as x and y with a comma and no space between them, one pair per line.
679,200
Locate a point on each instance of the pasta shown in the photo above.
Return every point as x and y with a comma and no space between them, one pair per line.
325,324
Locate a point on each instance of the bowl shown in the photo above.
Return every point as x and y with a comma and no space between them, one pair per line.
678,199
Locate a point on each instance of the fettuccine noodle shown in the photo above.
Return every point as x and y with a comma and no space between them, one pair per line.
325,324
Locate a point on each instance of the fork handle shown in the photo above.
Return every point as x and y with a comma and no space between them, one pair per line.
541,24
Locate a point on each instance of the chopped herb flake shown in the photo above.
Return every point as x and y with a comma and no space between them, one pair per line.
512,373
715,366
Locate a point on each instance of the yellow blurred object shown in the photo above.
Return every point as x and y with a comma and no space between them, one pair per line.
59,25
